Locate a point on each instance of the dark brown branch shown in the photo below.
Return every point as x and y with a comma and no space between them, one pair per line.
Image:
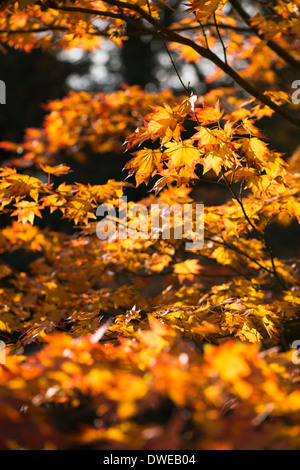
210,55
33,30
272,45
238,29
168,35
49,29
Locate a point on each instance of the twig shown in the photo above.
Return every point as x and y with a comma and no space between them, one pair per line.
174,65
170,56
204,34
259,234
221,39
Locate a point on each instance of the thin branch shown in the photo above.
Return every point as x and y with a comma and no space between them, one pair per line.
258,233
62,28
52,28
174,65
170,56
149,8
235,196
234,248
106,14
204,34
89,11
221,39
33,30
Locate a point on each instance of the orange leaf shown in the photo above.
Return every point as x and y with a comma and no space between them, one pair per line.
26,211
209,114
56,170
203,8
187,269
144,164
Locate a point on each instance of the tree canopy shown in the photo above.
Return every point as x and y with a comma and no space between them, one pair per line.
136,342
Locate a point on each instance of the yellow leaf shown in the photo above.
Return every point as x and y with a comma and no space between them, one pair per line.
212,161
26,211
203,8
255,149
182,154
57,170
209,114
229,362
187,269
144,165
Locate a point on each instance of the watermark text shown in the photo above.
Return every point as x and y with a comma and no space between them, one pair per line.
159,221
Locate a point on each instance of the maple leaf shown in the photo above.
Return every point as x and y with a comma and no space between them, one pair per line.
112,367
26,211
187,269
203,8
157,263
14,185
187,106
110,191
206,137
146,163
182,155
248,125
164,123
256,151
158,336
79,210
181,176
239,174
54,202
186,53
56,170
230,363
209,114
212,161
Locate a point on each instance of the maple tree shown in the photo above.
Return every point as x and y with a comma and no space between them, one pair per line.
162,348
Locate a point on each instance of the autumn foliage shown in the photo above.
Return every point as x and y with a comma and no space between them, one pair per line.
138,343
